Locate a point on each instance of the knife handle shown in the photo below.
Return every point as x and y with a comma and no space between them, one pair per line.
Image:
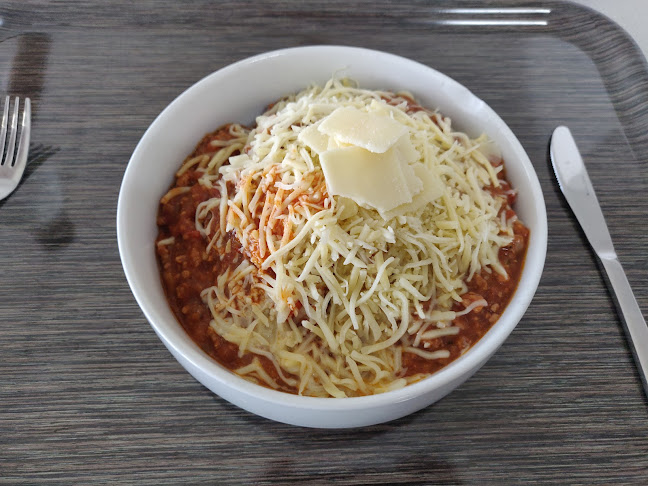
634,322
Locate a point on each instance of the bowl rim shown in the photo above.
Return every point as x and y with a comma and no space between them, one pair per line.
478,353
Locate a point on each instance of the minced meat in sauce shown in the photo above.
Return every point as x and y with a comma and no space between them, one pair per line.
187,269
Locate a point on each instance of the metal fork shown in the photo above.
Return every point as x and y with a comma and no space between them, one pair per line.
12,161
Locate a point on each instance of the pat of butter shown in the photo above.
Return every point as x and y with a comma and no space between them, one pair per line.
371,131
370,179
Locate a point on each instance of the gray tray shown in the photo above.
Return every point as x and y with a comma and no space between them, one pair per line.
87,391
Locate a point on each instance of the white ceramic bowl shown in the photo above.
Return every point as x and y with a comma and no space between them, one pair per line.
240,92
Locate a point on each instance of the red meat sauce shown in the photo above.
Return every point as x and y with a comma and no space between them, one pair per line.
496,289
187,269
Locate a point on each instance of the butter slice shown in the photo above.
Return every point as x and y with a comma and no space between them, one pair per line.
374,180
370,131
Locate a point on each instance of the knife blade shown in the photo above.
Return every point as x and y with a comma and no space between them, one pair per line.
576,186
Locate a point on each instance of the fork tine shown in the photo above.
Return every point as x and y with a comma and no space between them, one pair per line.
3,129
9,154
13,165
23,143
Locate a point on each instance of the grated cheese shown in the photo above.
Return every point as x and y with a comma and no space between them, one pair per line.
342,276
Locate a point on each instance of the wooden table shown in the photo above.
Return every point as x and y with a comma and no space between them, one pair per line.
89,394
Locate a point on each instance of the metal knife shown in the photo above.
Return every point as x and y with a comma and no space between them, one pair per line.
577,188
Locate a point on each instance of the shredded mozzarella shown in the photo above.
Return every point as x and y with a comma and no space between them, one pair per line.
331,288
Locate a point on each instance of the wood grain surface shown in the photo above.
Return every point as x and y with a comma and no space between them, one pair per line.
89,395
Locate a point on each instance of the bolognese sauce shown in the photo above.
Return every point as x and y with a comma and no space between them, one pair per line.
187,268
190,264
